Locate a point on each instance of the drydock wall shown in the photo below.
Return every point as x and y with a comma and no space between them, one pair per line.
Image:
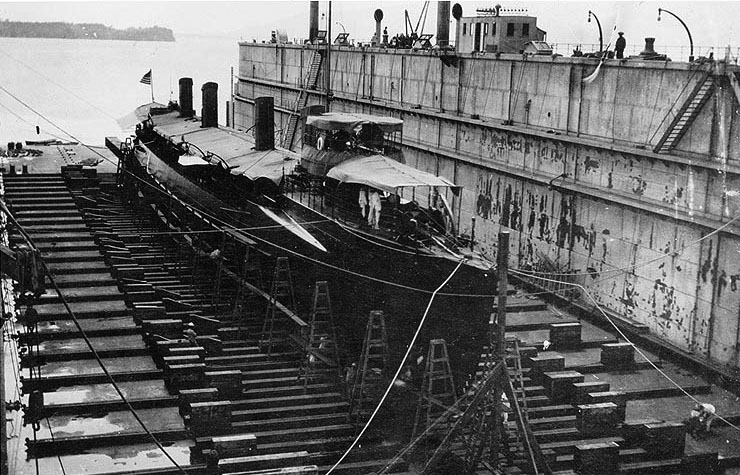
572,174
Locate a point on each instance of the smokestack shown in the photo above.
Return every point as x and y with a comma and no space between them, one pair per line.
378,15
186,97
313,21
443,23
264,123
209,113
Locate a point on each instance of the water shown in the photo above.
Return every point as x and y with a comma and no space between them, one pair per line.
84,86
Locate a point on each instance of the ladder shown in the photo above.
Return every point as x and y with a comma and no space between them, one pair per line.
246,301
250,272
686,115
302,99
281,291
322,336
437,388
370,376
514,367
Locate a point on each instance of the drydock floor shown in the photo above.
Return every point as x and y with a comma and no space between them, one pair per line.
122,279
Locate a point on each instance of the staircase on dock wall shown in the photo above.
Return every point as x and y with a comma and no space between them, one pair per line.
686,115
302,100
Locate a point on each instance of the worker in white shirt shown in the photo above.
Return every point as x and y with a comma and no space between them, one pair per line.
362,200
373,215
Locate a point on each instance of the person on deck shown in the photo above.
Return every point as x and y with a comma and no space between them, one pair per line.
620,45
373,215
362,201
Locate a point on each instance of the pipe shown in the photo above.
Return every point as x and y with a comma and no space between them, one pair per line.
443,23
264,123
186,97
209,113
313,22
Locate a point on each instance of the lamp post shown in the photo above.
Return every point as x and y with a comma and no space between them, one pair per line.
601,34
691,41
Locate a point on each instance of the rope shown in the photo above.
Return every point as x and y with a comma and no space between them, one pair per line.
640,352
398,371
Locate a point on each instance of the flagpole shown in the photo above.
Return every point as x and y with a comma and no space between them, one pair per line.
151,84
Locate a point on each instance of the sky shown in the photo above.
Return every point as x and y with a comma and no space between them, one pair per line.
711,23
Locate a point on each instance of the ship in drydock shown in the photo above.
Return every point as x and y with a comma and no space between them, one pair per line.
396,257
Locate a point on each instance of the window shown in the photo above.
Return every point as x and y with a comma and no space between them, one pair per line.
493,29
485,28
525,29
465,29
509,29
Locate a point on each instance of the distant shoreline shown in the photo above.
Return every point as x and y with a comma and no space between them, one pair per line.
82,31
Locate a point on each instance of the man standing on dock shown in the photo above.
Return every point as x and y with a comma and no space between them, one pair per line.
620,45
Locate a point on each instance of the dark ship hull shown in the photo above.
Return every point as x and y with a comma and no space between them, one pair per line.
364,272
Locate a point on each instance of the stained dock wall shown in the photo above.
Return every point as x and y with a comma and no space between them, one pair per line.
568,167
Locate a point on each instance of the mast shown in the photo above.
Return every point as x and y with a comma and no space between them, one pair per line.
327,66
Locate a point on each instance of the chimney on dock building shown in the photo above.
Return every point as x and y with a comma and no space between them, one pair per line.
264,123
443,23
186,97
313,21
209,113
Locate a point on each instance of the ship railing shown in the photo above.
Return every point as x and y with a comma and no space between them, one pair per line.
675,52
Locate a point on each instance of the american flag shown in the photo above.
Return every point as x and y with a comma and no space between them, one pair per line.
147,78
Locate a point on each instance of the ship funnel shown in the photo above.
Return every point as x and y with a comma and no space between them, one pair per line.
649,47
443,23
313,21
209,113
264,123
186,97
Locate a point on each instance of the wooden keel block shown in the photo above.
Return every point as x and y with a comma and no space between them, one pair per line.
210,417
184,376
559,384
665,439
565,335
617,397
618,355
597,420
597,459
228,383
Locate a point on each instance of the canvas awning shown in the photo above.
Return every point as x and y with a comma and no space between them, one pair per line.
348,122
226,147
385,174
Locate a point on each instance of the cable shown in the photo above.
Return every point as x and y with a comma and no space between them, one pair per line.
71,313
17,116
230,227
662,373
398,371
59,85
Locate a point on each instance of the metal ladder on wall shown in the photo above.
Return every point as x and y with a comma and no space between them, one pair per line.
686,115
322,335
437,389
302,99
281,291
370,376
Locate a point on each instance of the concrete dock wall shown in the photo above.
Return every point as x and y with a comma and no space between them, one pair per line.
567,166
